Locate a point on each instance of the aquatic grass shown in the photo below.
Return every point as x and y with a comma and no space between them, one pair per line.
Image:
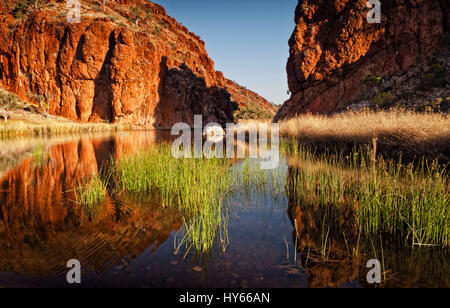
38,154
197,187
90,191
408,202
248,176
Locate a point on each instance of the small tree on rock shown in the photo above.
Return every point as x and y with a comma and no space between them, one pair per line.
136,13
43,102
8,101
4,114
104,5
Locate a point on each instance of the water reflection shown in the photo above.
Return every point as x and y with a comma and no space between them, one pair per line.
276,240
334,253
41,227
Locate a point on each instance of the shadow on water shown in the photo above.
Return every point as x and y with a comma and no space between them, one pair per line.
275,238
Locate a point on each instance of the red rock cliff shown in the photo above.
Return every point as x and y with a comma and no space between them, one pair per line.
245,98
333,47
128,63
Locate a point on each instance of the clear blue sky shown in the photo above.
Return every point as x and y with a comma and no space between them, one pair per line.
247,39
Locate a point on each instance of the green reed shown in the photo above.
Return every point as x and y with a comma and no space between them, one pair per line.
409,202
249,176
196,187
91,192
38,154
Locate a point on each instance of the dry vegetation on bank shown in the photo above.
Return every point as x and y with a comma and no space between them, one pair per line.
19,118
52,127
398,133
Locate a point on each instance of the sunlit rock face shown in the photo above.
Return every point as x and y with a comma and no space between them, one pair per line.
334,48
142,68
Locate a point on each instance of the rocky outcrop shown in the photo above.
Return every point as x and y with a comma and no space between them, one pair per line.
334,48
128,63
425,87
245,98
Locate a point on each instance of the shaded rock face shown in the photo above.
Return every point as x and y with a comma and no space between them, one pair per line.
333,48
142,68
180,84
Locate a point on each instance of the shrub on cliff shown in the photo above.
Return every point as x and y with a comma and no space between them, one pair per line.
384,99
136,13
156,30
436,76
23,7
149,13
373,81
252,112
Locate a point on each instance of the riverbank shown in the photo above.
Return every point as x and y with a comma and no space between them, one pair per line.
19,118
52,127
395,134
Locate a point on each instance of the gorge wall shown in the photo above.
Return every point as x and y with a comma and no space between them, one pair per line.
129,62
333,48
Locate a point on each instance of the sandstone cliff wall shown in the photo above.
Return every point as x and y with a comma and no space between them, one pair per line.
130,63
333,48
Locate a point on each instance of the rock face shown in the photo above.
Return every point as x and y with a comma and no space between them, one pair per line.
128,63
425,87
245,98
334,48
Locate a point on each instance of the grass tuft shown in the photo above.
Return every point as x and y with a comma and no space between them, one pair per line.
196,187
408,202
91,191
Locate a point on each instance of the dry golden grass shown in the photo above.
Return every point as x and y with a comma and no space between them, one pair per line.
409,134
18,118
54,128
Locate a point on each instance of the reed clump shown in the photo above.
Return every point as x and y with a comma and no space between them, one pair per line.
91,191
404,201
197,187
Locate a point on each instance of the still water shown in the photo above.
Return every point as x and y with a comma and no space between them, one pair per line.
273,240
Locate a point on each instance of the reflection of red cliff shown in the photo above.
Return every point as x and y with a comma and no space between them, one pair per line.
308,236
333,48
40,228
108,69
